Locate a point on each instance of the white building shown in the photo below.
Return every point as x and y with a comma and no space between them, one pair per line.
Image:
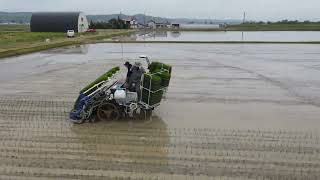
132,22
157,25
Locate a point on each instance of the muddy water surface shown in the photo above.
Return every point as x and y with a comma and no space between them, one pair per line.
282,36
232,111
274,86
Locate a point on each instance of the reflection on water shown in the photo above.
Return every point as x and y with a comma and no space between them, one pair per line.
131,37
175,34
231,36
152,35
77,49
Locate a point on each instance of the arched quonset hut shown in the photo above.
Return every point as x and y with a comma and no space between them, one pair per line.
58,22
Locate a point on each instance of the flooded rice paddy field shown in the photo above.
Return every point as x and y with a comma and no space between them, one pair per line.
232,112
279,36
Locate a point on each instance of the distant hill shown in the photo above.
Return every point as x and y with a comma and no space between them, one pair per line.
24,17
16,17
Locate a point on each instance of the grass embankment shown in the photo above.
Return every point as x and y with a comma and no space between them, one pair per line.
274,27
14,28
215,42
18,43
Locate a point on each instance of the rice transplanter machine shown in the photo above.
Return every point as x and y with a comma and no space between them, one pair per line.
110,98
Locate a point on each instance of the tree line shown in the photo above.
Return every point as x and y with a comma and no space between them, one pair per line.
283,22
111,24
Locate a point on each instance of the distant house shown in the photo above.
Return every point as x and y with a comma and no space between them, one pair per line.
222,26
152,24
132,22
175,25
157,25
58,22
140,25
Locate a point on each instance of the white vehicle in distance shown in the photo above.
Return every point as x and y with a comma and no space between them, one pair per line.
70,34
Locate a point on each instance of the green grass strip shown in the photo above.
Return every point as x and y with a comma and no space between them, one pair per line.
85,40
216,42
21,51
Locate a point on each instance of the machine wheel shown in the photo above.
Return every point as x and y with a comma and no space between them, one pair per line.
79,122
145,114
108,112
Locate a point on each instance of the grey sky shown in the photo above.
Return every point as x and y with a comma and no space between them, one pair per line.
217,9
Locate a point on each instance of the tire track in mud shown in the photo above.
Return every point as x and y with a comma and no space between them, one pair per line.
37,142
302,98
247,76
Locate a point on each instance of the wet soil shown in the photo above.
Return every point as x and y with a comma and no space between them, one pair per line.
231,112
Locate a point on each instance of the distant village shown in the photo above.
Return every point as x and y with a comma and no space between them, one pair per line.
152,24
165,24
133,23
139,21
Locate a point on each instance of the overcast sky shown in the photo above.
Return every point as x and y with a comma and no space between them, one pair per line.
214,9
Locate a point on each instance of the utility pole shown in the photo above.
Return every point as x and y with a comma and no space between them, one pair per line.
144,19
244,21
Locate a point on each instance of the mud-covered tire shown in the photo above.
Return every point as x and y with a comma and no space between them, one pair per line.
108,112
145,114
78,122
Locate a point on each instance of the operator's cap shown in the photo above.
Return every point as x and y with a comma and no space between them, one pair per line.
127,63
